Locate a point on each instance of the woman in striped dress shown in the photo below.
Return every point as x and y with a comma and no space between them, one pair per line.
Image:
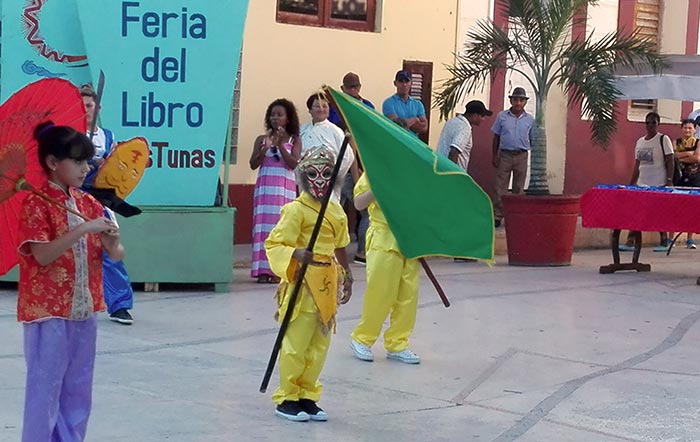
276,153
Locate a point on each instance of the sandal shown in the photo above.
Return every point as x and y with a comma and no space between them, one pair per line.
274,280
263,279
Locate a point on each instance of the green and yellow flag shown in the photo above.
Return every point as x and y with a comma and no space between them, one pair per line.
432,206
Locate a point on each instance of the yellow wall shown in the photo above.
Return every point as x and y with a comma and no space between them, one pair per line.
602,18
292,61
556,139
674,28
471,11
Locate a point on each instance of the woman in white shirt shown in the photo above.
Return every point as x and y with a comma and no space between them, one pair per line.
653,166
322,132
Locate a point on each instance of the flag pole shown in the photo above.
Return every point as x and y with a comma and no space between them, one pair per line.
436,283
423,262
302,270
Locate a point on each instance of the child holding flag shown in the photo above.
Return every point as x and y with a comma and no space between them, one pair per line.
392,287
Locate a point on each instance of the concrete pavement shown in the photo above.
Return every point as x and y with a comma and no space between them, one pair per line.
523,354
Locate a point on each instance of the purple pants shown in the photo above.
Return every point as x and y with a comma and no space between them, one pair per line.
60,356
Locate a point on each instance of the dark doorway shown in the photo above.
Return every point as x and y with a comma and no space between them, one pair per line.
421,87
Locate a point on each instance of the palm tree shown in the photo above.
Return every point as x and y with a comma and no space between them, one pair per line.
583,68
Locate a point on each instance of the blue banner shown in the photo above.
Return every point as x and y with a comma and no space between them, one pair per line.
40,39
170,69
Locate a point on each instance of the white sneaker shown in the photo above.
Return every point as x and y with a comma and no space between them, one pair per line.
361,351
405,356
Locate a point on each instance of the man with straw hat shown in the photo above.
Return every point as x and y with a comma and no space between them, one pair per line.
512,138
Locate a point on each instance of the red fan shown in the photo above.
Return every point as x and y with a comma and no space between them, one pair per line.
50,99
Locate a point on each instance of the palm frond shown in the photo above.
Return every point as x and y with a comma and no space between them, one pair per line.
465,78
525,20
597,95
587,75
488,48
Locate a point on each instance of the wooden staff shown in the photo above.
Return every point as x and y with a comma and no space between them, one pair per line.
302,270
98,101
22,184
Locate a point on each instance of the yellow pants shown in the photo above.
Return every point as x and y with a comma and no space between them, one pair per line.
302,355
392,286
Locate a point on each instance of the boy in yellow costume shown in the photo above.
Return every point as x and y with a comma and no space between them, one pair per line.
328,281
392,287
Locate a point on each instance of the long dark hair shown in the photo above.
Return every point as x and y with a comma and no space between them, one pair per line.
62,142
292,117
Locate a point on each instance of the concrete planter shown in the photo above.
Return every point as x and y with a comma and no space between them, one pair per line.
540,230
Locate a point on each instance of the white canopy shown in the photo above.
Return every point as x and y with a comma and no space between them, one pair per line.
679,81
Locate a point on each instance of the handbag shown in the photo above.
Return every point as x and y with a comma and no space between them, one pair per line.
688,179
677,167
677,172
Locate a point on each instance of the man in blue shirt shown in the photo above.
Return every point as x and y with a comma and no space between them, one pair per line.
402,106
511,146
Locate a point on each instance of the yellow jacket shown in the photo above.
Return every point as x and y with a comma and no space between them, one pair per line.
379,234
293,231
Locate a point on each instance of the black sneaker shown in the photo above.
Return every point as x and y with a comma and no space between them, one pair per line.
122,316
292,410
497,223
360,260
315,412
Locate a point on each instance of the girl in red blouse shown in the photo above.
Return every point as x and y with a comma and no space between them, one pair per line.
60,289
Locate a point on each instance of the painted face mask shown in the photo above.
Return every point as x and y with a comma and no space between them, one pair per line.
319,178
314,171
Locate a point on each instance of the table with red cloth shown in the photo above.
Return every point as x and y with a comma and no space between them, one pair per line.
636,208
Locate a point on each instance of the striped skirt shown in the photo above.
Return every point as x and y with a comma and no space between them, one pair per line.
274,188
